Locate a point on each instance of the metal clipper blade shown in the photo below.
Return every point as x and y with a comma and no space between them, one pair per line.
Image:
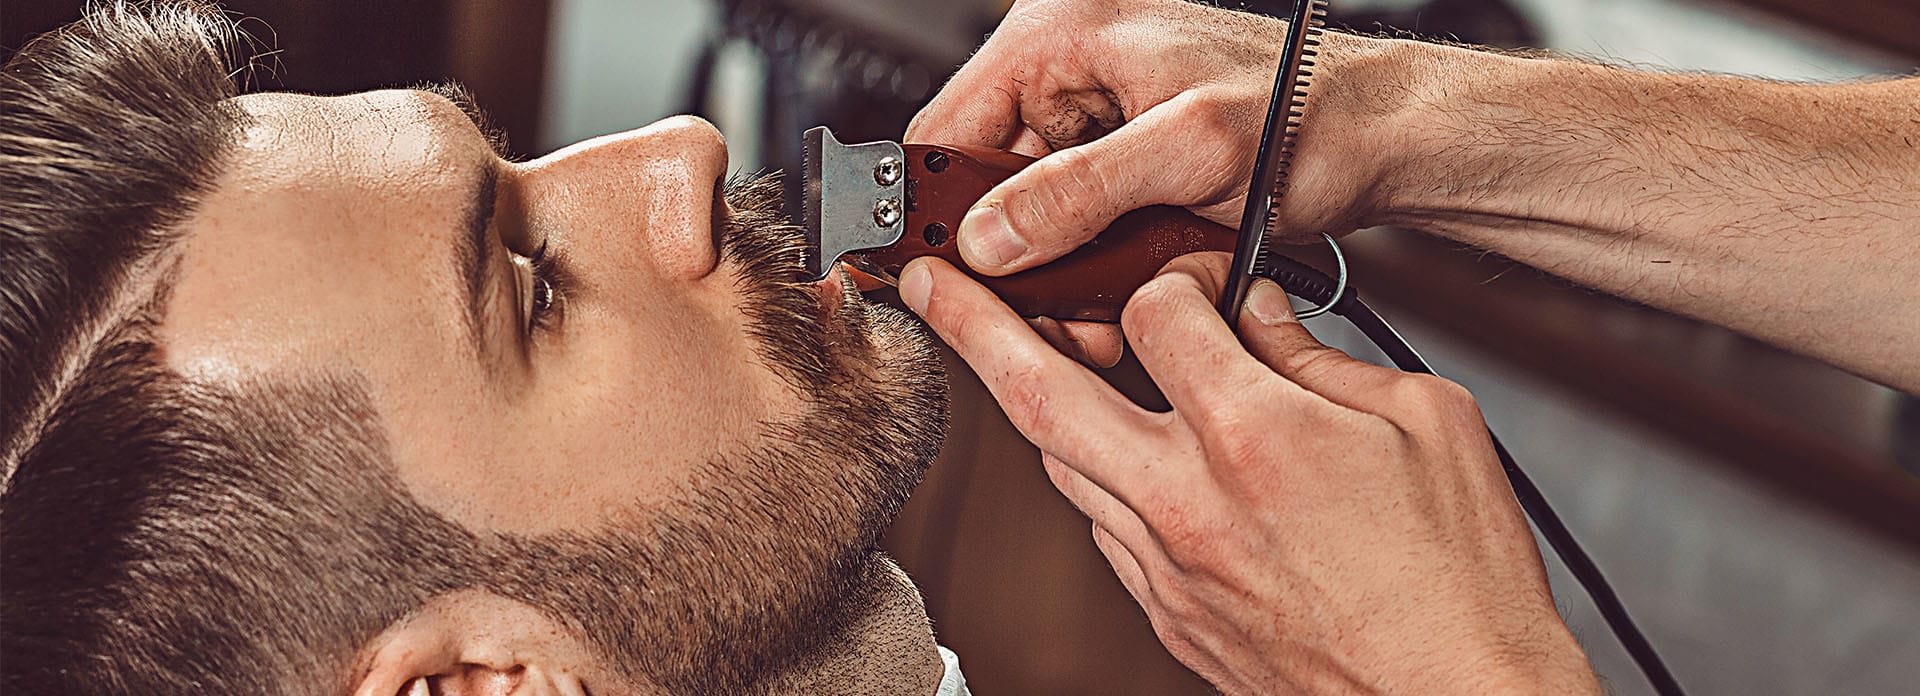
855,197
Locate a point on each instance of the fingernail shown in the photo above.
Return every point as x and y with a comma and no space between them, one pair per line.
916,285
988,239
1268,303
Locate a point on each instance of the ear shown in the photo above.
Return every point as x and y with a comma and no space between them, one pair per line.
426,654
462,646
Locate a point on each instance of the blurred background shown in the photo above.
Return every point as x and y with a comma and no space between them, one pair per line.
1758,513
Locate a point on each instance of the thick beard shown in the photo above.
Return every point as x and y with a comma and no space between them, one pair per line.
751,568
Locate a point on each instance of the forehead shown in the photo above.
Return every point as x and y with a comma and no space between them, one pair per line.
383,139
319,232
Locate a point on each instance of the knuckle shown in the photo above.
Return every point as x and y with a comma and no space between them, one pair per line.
1310,363
1188,535
1173,633
1411,393
1180,646
1237,447
1179,610
1062,478
1455,396
1427,398
1217,129
1073,184
1214,119
1025,397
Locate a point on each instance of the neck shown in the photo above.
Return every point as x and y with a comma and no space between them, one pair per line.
887,647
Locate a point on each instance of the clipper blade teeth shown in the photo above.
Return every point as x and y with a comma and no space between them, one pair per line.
811,146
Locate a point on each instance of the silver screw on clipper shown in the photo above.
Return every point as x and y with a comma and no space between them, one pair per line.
887,171
886,212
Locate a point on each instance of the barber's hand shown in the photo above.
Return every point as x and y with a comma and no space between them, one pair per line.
1131,103
1301,521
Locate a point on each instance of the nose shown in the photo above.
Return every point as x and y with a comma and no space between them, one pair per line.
646,196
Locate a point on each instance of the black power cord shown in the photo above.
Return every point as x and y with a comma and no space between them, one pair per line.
1310,284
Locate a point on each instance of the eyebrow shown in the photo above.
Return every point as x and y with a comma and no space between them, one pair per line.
474,248
463,98
474,251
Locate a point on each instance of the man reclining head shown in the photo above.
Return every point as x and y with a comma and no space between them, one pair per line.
321,395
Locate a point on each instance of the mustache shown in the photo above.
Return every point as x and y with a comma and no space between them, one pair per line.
767,251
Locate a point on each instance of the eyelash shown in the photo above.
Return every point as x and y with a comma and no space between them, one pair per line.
549,289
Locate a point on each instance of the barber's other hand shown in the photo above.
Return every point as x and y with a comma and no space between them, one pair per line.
1301,521
1131,103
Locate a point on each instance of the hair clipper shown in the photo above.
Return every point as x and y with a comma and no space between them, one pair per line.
879,205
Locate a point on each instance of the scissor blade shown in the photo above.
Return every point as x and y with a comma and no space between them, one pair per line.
1284,109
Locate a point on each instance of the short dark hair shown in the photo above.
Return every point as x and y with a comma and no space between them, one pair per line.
162,537
159,536
109,129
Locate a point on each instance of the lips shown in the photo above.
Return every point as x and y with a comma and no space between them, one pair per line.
841,286
832,289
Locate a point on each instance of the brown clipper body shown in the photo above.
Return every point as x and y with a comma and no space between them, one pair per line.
1090,284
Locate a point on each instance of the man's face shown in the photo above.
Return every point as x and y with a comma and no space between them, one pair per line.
657,372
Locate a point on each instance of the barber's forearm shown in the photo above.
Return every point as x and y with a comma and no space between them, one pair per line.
1784,211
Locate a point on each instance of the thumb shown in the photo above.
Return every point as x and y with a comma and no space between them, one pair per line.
1179,152
1272,334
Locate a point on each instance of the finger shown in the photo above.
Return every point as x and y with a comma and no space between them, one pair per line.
1100,344
1100,506
1166,155
1134,577
1125,566
1053,401
1186,348
980,104
1057,336
1274,337
1090,343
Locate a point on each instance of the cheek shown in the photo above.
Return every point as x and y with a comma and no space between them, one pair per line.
674,390
619,415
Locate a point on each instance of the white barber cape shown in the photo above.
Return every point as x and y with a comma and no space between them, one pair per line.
951,682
